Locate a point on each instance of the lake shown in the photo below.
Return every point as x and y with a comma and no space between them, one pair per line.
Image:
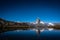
30,35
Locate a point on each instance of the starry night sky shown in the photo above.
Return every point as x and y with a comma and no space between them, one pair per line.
29,10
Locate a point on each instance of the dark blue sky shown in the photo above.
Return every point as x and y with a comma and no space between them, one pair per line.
29,10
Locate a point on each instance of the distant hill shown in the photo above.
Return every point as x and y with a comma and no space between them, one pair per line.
10,25
57,23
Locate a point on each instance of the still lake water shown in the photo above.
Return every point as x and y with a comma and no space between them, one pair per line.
30,35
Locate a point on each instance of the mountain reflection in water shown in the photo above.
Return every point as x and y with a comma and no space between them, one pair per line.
30,35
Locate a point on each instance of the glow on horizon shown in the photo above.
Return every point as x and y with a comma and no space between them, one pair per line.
42,22
50,24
